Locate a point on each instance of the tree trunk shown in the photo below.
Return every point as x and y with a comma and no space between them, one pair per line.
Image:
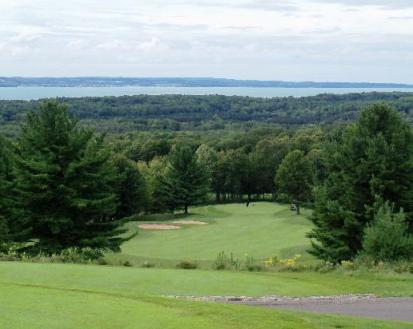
297,205
186,209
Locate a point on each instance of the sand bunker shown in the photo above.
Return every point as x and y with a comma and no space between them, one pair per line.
158,227
190,222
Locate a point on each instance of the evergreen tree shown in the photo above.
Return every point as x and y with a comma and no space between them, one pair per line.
185,182
294,177
372,159
66,183
387,237
10,221
130,188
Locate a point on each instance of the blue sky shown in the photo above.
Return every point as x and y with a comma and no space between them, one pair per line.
322,40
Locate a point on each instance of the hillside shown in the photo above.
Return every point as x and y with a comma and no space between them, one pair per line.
214,112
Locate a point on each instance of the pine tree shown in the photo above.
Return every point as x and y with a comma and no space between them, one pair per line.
294,177
185,182
372,159
387,237
66,183
10,225
130,188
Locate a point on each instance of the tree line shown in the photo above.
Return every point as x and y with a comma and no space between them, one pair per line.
63,185
118,115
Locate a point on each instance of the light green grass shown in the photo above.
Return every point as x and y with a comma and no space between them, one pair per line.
261,230
160,282
49,296
67,296
42,308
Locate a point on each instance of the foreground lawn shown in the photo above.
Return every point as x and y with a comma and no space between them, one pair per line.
134,282
47,296
261,230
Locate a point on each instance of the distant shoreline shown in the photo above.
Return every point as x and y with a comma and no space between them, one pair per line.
95,82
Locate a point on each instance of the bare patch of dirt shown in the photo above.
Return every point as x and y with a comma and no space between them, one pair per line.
158,227
189,222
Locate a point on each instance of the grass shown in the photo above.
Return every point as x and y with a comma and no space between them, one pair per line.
159,282
68,296
261,230
40,308
49,296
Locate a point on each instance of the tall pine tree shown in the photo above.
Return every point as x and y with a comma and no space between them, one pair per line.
372,160
130,188
185,182
5,187
66,183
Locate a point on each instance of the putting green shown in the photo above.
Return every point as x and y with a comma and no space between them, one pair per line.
260,230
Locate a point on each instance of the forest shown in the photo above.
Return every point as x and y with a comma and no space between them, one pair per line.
118,115
75,188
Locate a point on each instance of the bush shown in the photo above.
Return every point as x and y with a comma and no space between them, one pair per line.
223,262
102,261
148,265
387,238
186,265
127,264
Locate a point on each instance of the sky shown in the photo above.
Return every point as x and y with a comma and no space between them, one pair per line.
294,40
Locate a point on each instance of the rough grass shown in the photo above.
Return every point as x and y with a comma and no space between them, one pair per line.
261,231
48,296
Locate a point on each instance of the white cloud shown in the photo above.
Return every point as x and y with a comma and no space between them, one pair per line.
359,40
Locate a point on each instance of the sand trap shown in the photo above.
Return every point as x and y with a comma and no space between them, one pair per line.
158,227
190,222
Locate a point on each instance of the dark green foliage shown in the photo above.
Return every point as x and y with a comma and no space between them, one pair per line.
371,160
294,177
185,182
130,188
66,183
4,191
387,238
187,265
182,113
10,228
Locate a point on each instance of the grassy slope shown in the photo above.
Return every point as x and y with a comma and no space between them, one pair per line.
29,307
261,230
87,297
156,282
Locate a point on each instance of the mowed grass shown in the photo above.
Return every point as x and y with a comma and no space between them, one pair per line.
40,308
49,296
132,282
261,230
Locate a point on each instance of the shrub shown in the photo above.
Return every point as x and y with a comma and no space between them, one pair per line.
148,265
404,267
102,261
250,264
387,238
127,264
187,265
272,261
223,262
290,264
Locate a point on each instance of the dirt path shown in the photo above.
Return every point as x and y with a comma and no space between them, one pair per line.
370,306
400,309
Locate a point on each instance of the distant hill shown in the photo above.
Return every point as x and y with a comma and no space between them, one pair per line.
189,113
181,82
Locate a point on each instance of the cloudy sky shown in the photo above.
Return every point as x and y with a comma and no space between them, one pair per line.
321,40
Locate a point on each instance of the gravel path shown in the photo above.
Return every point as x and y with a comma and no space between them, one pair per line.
400,309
